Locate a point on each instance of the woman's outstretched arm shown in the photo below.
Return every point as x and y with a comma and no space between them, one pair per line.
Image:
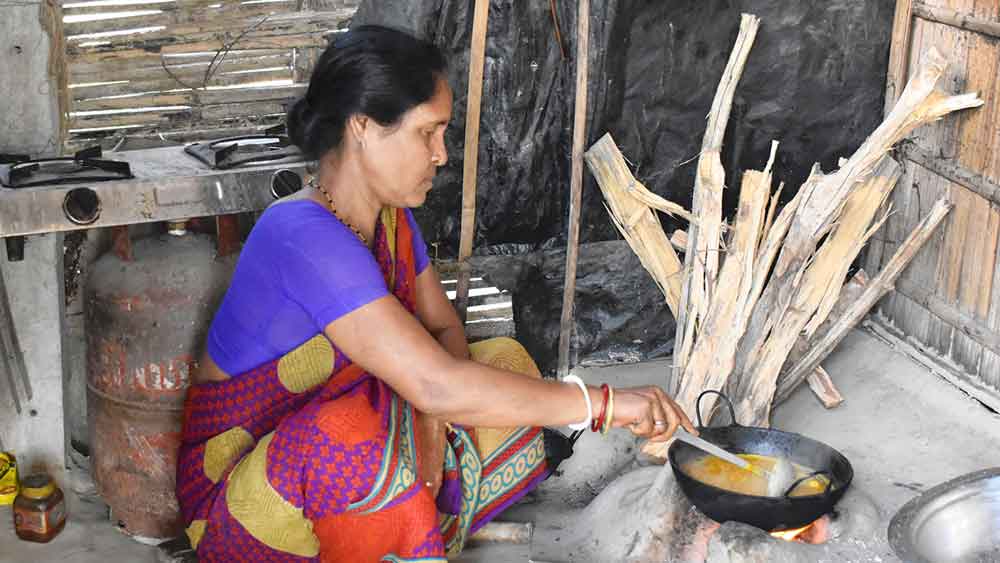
389,342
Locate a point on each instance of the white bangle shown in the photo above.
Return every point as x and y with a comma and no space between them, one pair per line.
586,397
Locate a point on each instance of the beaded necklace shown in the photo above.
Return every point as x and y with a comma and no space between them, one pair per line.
333,208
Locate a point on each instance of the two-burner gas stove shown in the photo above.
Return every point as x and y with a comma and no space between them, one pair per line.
91,189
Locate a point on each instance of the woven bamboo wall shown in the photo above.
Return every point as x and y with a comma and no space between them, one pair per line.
180,70
948,301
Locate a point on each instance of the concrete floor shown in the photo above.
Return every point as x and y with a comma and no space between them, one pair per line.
903,428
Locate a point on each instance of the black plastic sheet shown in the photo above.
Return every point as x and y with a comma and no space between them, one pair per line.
620,314
814,81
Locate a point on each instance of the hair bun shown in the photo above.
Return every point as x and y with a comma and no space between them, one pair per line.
299,122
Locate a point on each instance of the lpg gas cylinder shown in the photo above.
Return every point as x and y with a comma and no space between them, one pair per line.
147,312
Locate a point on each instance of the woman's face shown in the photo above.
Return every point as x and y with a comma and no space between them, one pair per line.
401,161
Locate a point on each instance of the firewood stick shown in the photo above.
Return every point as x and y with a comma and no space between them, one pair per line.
824,389
504,532
849,293
642,193
644,234
679,240
771,210
920,103
879,286
715,348
701,258
809,291
881,184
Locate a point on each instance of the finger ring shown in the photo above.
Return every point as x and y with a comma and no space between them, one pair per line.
659,423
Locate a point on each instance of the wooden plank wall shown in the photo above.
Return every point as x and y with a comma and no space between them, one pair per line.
181,70
948,301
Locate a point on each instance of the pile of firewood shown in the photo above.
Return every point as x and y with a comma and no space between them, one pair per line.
760,301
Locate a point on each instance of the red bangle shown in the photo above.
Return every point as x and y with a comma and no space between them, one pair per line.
598,422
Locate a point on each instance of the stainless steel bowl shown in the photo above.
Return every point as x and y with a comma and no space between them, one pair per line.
955,522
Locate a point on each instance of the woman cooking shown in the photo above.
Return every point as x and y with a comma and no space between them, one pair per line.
339,413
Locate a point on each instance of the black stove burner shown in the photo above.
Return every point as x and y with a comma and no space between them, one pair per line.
18,171
231,152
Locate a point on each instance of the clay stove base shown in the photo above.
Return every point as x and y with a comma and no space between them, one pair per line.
624,523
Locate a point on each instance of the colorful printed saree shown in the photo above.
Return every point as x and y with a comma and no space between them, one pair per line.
309,458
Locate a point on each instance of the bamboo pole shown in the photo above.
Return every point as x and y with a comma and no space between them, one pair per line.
575,184
899,52
471,161
957,19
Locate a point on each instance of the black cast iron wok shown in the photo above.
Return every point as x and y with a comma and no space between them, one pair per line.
766,513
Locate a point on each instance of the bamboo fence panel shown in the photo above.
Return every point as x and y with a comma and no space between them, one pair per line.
186,70
948,302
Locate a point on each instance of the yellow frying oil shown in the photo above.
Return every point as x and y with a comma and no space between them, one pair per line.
724,475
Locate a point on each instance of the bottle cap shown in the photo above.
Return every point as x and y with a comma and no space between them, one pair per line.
38,486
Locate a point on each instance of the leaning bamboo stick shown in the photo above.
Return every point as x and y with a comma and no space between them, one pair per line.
576,185
701,259
470,165
879,286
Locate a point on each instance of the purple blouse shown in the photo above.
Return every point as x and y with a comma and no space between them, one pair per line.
300,270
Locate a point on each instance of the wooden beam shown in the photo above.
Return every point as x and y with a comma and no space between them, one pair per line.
963,322
477,59
947,16
954,172
899,52
575,183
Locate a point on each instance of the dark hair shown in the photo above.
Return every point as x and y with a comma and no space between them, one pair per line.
370,70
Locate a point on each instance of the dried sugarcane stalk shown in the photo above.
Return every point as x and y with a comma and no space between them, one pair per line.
701,259
879,286
637,223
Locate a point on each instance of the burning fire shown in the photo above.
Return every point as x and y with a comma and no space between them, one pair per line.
791,535
814,533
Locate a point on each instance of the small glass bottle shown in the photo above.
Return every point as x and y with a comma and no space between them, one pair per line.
39,509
